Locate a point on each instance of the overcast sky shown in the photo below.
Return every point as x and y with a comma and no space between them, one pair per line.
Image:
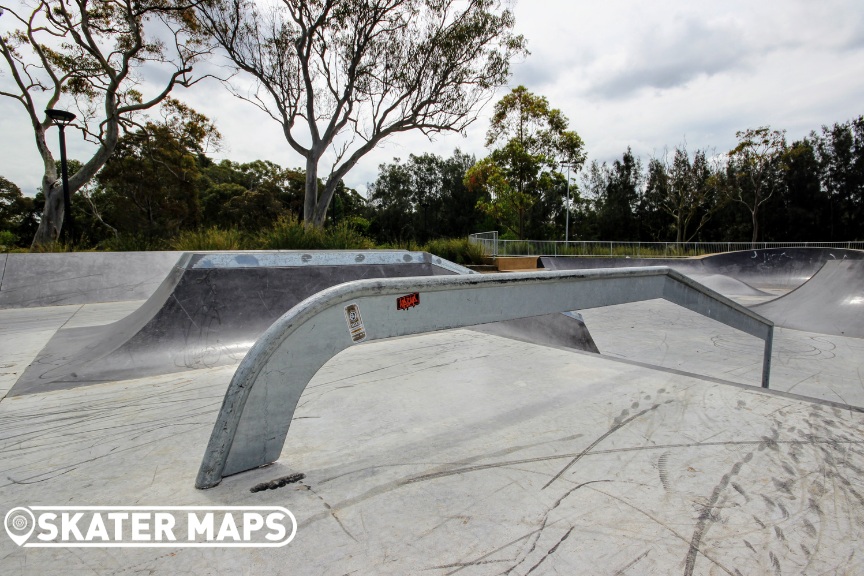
647,75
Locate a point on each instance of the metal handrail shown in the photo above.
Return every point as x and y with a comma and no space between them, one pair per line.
259,404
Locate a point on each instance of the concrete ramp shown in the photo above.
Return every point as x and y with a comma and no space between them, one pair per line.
831,302
462,454
207,312
747,276
728,286
776,270
31,280
212,307
405,462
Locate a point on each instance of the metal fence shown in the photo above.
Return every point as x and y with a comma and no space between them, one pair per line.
494,246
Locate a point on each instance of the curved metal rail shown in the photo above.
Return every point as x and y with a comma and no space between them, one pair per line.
259,404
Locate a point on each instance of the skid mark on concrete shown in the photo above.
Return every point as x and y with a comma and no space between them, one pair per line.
709,515
619,424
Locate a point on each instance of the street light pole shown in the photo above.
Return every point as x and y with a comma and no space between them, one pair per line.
567,225
61,119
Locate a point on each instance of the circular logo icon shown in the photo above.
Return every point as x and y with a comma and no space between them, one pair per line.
19,523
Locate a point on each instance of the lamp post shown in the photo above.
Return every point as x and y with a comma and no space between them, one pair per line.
62,118
425,205
567,225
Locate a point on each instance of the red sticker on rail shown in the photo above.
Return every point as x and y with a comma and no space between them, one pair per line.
408,301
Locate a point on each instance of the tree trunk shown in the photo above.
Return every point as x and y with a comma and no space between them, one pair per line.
310,202
52,216
755,229
324,202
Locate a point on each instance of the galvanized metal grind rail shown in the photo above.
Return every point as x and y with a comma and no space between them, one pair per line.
258,407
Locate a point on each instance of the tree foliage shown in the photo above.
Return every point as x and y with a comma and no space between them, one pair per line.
521,175
840,153
250,195
150,186
160,183
423,198
17,213
342,75
618,200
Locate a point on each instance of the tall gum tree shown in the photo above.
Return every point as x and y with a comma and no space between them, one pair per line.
685,190
340,76
754,170
529,141
92,52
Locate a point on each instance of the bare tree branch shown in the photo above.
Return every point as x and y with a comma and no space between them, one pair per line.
346,74
89,51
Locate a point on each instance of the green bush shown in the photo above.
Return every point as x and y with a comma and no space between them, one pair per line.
210,239
459,250
290,234
7,240
409,245
132,243
346,237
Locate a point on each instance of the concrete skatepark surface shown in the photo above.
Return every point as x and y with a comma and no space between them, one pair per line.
465,453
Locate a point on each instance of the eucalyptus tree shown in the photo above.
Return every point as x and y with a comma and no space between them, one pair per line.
684,189
340,76
755,170
150,186
529,140
93,53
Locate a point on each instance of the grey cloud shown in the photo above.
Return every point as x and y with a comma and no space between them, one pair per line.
855,40
663,62
534,73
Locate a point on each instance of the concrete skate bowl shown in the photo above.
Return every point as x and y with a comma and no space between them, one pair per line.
212,307
30,280
831,302
749,276
776,270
